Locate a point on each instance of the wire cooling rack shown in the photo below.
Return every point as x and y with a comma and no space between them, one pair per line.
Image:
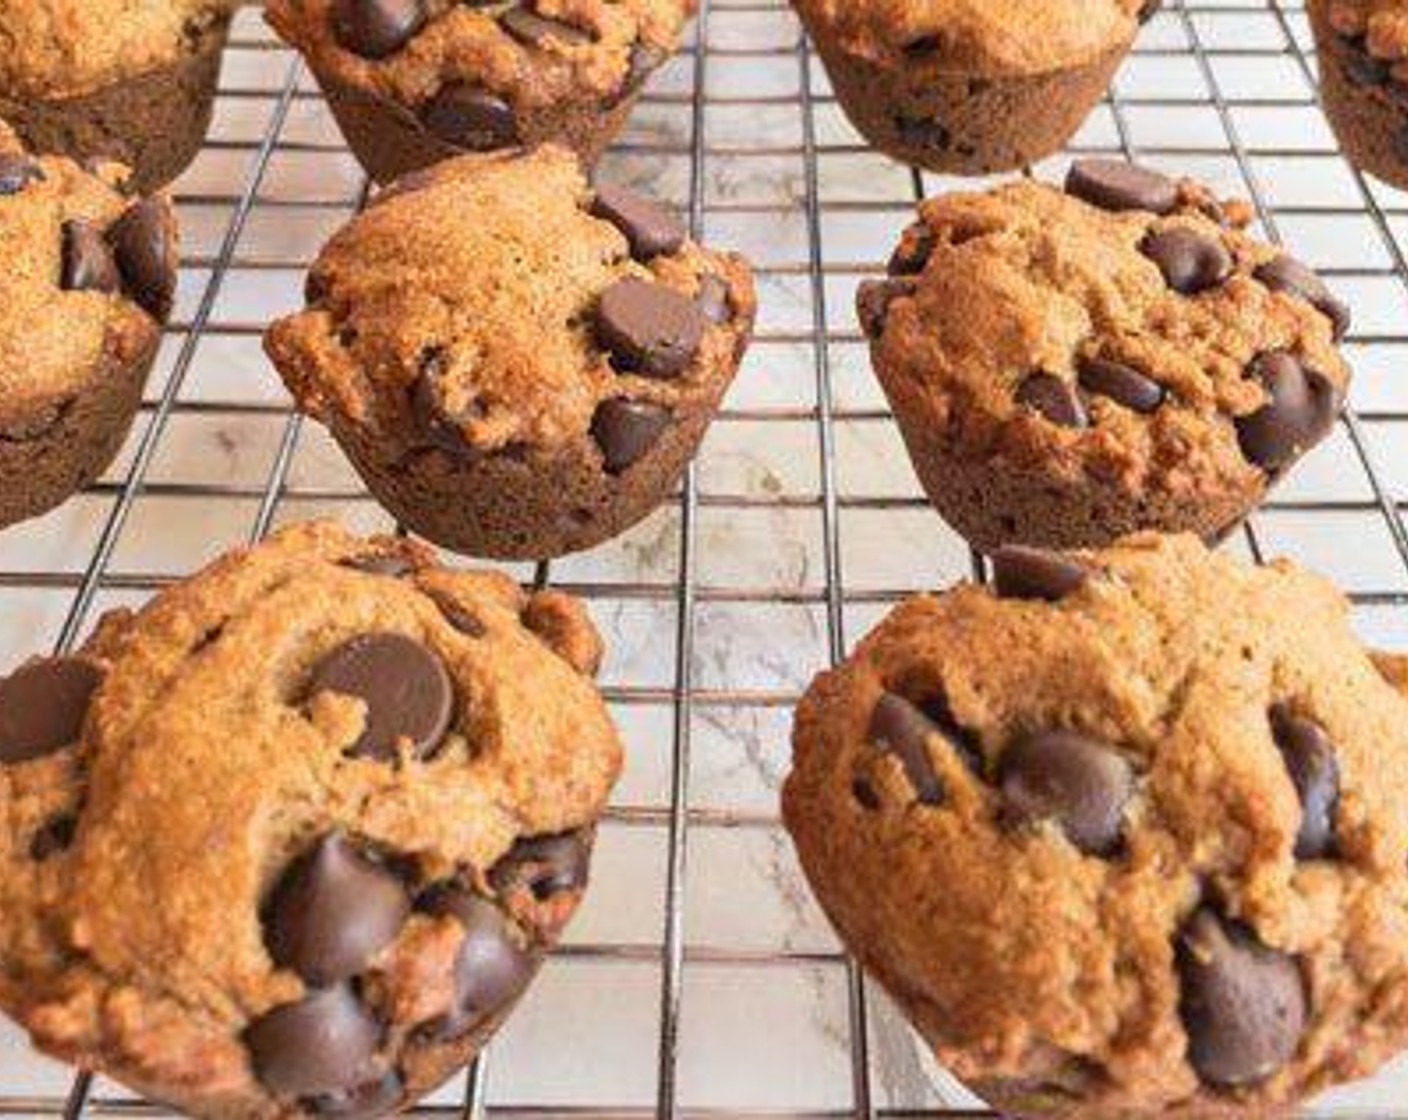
699,978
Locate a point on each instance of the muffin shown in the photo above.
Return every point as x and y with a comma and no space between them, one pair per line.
1363,46
91,278
126,80
292,840
518,365
1071,366
967,86
1125,836
413,82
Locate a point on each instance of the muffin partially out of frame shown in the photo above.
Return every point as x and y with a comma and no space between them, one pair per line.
413,82
293,840
126,80
518,364
1071,366
1125,836
1363,48
89,282
971,86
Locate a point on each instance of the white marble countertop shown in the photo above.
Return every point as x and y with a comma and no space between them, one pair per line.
764,1022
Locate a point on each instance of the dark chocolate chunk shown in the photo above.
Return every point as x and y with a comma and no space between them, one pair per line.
1078,782
43,706
471,118
1113,184
323,1045
627,430
1301,411
649,329
1054,399
1286,274
1020,572
1123,384
143,246
1314,768
376,28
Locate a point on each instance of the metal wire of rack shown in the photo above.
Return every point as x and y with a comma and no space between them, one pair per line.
693,989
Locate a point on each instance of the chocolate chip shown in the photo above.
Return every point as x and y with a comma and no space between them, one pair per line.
1300,413
1361,67
458,617
1112,184
1078,782
323,1045
1191,262
651,229
54,836
873,300
376,28
17,172
913,252
332,912
87,264
627,430
1286,274
471,118
1243,1004
374,1099
544,865
43,706
865,794
1314,767
1121,383
712,299
902,727
490,970
1054,399
533,30
428,406
649,329
1033,573
379,564
923,132
142,245
405,686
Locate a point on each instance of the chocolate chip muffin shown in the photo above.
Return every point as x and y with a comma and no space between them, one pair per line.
412,82
292,840
1071,366
1125,835
968,86
1363,46
89,283
126,80
518,364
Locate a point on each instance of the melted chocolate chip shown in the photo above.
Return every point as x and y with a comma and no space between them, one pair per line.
1123,384
902,727
87,263
145,252
43,706
332,912
1054,399
627,430
1020,572
651,229
649,329
376,28
323,1045
1115,185
1286,274
1191,262
544,865
1243,1004
534,30
1314,768
1078,782
490,969
471,118
1300,413
405,687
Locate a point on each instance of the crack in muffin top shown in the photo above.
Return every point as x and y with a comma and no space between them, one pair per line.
978,37
489,284
1122,327
61,48
1046,814
315,711
538,55
75,290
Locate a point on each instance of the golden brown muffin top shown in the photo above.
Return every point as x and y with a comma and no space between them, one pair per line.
468,299
89,278
59,48
1123,328
531,55
977,36
1055,818
293,773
